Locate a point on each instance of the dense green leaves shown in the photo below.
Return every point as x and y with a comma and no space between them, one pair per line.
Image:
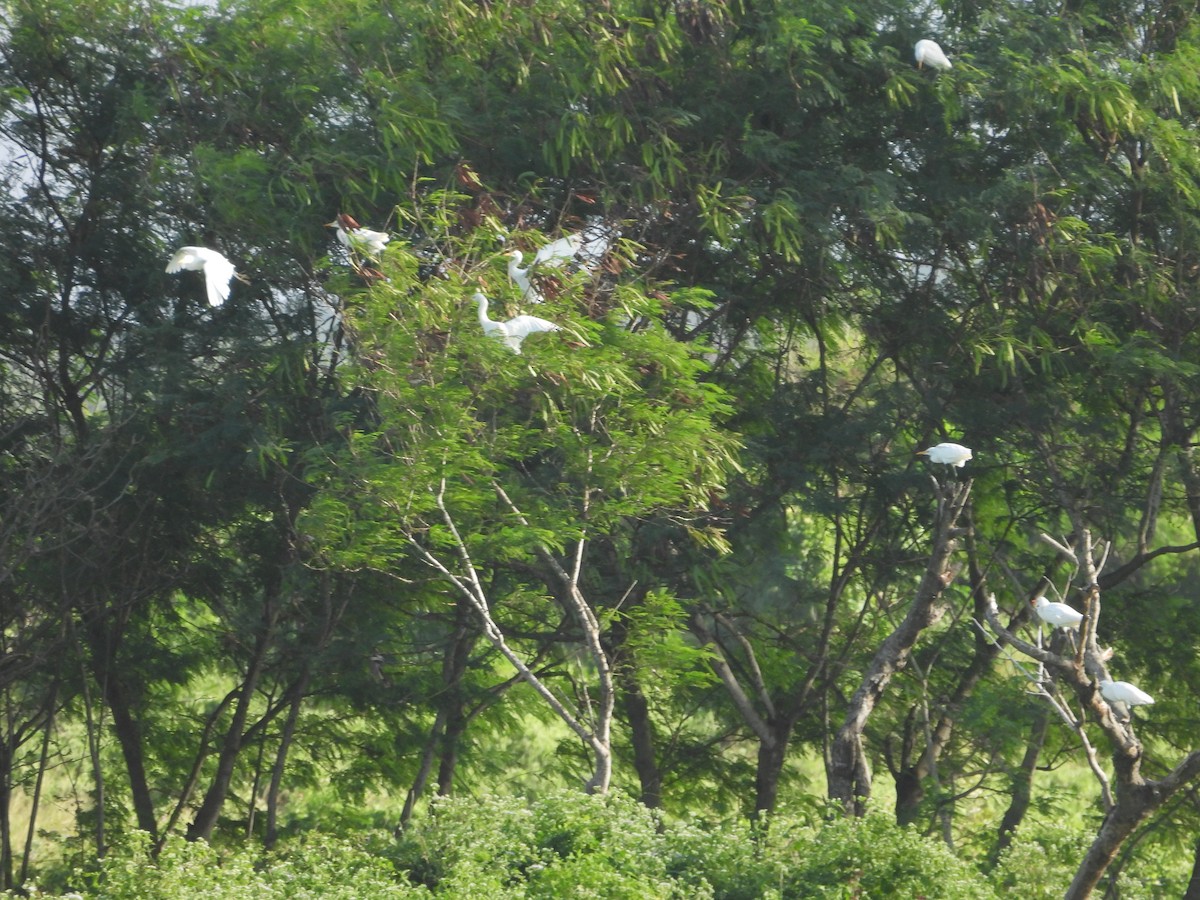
219,527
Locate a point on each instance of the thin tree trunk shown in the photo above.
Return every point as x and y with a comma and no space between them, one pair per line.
189,785
255,782
93,740
456,726
210,808
43,764
772,755
1021,786
634,704
849,774
285,743
128,731
451,710
426,766
1193,888
6,855
641,735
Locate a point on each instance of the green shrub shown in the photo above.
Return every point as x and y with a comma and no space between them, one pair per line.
567,844
874,858
570,844
323,868
1043,858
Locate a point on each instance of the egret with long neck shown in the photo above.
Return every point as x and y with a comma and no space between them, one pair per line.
514,330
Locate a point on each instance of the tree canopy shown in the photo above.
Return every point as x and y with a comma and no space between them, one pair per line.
331,542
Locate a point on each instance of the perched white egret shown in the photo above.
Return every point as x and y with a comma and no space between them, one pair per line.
515,330
218,271
587,247
553,255
1057,615
1124,692
520,277
354,237
930,54
947,454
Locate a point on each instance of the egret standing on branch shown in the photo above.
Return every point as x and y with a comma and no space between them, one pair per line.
1124,692
218,271
947,454
928,53
515,330
354,237
587,246
1057,615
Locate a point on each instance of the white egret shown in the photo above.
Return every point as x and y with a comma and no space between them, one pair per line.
1124,692
218,271
930,54
513,331
587,247
947,454
1057,615
354,237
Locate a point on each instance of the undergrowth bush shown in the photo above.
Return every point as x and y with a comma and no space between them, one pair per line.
322,867
572,845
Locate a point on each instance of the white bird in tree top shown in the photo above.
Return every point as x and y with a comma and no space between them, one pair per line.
218,271
1059,615
354,237
947,454
513,331
1124,692
586,247
928,53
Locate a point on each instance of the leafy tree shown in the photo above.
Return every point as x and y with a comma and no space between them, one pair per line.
498,473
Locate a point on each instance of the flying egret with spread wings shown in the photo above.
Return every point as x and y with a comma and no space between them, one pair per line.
218,271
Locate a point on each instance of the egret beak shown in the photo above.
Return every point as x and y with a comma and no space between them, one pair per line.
922,453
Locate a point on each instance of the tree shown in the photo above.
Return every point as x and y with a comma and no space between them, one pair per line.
498,470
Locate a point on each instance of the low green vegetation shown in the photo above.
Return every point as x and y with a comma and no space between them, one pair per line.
569,844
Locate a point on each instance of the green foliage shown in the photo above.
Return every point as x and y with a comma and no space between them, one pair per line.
329,867
612,847
829,259
1041,863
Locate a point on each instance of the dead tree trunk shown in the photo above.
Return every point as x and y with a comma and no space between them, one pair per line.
849,775
593,723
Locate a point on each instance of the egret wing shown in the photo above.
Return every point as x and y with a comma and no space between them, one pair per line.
218,273
185,258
